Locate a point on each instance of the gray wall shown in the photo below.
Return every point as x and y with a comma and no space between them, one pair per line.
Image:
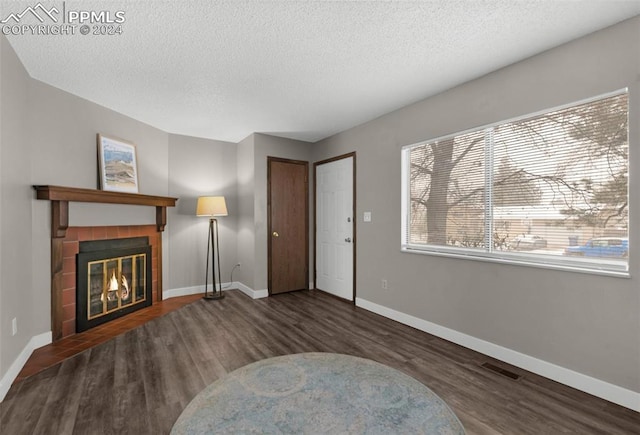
17,294
200,167
246,229
586,323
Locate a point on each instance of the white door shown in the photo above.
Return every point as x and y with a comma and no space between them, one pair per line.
334,227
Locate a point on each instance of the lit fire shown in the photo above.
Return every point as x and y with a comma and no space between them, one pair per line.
125,288
112,289
113,283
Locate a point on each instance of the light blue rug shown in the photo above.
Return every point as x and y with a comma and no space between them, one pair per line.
317,393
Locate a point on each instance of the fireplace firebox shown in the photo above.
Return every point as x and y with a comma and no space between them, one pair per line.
113,279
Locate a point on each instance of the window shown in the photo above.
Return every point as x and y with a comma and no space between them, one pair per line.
545,189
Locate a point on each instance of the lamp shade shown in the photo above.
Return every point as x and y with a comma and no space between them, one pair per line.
211,206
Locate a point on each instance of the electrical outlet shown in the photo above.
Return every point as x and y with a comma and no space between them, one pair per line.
385,284
14,326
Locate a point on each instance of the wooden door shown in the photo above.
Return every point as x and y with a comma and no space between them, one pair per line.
288,224
334,221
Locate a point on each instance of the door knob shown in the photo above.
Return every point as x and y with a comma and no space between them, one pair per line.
275,234
348,240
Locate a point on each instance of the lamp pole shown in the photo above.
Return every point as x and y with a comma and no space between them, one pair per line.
213,245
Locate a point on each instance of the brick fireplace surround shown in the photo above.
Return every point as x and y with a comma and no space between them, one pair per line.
65,243
70,246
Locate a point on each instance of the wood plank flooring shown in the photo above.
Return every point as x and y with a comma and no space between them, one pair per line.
140,381
57,352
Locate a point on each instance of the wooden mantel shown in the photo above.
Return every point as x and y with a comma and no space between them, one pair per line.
60,198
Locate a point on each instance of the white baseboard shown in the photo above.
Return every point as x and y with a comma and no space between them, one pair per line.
194,290
253,294
184,291
604,390
13,372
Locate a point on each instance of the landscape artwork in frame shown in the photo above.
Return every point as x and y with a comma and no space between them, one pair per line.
118,165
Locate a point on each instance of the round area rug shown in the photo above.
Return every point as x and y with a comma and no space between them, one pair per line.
317,393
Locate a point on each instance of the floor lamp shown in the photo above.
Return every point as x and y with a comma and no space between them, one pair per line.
212,206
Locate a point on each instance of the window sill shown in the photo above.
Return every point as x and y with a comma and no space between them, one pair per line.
518,260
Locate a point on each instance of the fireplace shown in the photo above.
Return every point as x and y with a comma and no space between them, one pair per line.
64,244
114,278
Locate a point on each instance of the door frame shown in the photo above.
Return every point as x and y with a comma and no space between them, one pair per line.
353,213
306,216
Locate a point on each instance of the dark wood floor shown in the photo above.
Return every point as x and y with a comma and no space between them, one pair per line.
140,381
54,353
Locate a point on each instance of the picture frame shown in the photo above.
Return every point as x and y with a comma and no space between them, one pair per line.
117,165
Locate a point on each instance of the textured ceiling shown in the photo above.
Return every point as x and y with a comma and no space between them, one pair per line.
298,69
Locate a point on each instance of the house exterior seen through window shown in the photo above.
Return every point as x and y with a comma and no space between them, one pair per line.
548,189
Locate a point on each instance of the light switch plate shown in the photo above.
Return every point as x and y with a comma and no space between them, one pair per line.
367,216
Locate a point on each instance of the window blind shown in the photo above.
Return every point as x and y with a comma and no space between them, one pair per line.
550,188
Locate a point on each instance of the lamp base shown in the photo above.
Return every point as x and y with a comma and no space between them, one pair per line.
213,296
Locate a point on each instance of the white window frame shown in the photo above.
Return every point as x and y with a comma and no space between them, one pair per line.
599,266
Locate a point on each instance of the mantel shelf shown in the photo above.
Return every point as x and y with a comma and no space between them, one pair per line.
75,194
61,196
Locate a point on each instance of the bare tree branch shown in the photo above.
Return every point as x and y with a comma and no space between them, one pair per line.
466,151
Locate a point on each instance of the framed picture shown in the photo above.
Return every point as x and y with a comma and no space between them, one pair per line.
117,165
